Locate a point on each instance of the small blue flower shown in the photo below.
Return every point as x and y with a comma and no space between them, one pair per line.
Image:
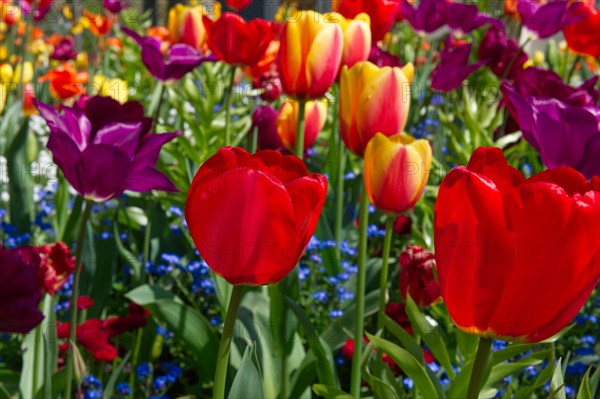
350,176
93,394
499,345
345,294
434,366
577,368
91,381
320,296
160,383
313,244
303,272
408,383
143,371
335,313
123,389
588,340
372,209
314,257
176,211
173,372
215,320
166,334
584,351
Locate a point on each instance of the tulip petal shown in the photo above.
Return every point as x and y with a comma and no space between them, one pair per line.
291,59
148,179
308,197
224,160
284,168
124,136
243,225
102,171
323,60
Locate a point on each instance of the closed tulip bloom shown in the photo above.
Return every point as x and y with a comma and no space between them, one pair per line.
237,42
417,276
264,119
357,38
382,13
516,258
186,27
20,293
252,216
65,81
106,148
287,122
372,100
396,171
310,54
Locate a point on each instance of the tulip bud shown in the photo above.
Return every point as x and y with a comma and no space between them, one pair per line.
396,170
310,54
372,100
287,122
6,73
357,38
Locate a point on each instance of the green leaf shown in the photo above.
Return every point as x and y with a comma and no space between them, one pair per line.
112,381
330,392
584,388
432,336
467,344
248,380
501,371
126,254
409,365
540,381
407,340
134,217
557,384
595,382
510,352
188,325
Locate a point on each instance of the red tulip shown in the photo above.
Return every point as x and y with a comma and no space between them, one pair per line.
397,312
236,41
516,258
382,13
287,122
84,302
252,216
238,5
583,36
57,265
416,275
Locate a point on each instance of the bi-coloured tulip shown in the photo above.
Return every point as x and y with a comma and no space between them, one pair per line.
357,38
236,41
310,54
106,148
287,122
252,216
396,170
516,258
372,100
186,27
382,13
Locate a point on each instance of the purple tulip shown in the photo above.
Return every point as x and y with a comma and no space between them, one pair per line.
106,148
382,58
181,58
20,294
39,9
263,119
64,51
562,133
503,55
115,6
453,68
466,18
546,19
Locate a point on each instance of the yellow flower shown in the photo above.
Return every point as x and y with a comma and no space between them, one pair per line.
6,73
27,75
114,88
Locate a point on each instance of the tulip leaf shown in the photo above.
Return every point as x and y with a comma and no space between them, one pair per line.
584,389
407,341
126,254
248,380
112,381
59,380
409,365
328,392
380,387
540,381
510,352
501,371
322,352
304,376
432,335
189,326
557,384
20,185
467,344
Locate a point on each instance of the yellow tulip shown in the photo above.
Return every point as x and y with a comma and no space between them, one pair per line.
6,73
27,67
396,170
372,100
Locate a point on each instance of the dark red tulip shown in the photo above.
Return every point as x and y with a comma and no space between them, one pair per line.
238,5
252,216
84,302
403,225
516,258
93,338
382,13
264,119
417,277
237,42
20,292
397,312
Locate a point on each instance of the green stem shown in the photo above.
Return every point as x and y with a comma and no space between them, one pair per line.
339,193
573,67
226,339
36,358
360,295
76,274
254,143
156,102
300,129
134,360
228,107
383,278
482,358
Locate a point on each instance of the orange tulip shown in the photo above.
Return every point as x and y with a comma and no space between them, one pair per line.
310,54
9,14
65,82
396,171
372,100
28,97
287,122
99,25
357,38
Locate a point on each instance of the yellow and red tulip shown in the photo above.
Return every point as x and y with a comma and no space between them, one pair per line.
357,38
310,54
287,122
396,170
185,25
372,100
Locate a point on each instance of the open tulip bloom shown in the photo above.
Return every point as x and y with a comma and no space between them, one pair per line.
516,258
106,148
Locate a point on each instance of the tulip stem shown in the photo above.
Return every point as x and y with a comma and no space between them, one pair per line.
383,276
339,194
156,102
228,107
225,345
482,358
76,274
300,129
360,295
